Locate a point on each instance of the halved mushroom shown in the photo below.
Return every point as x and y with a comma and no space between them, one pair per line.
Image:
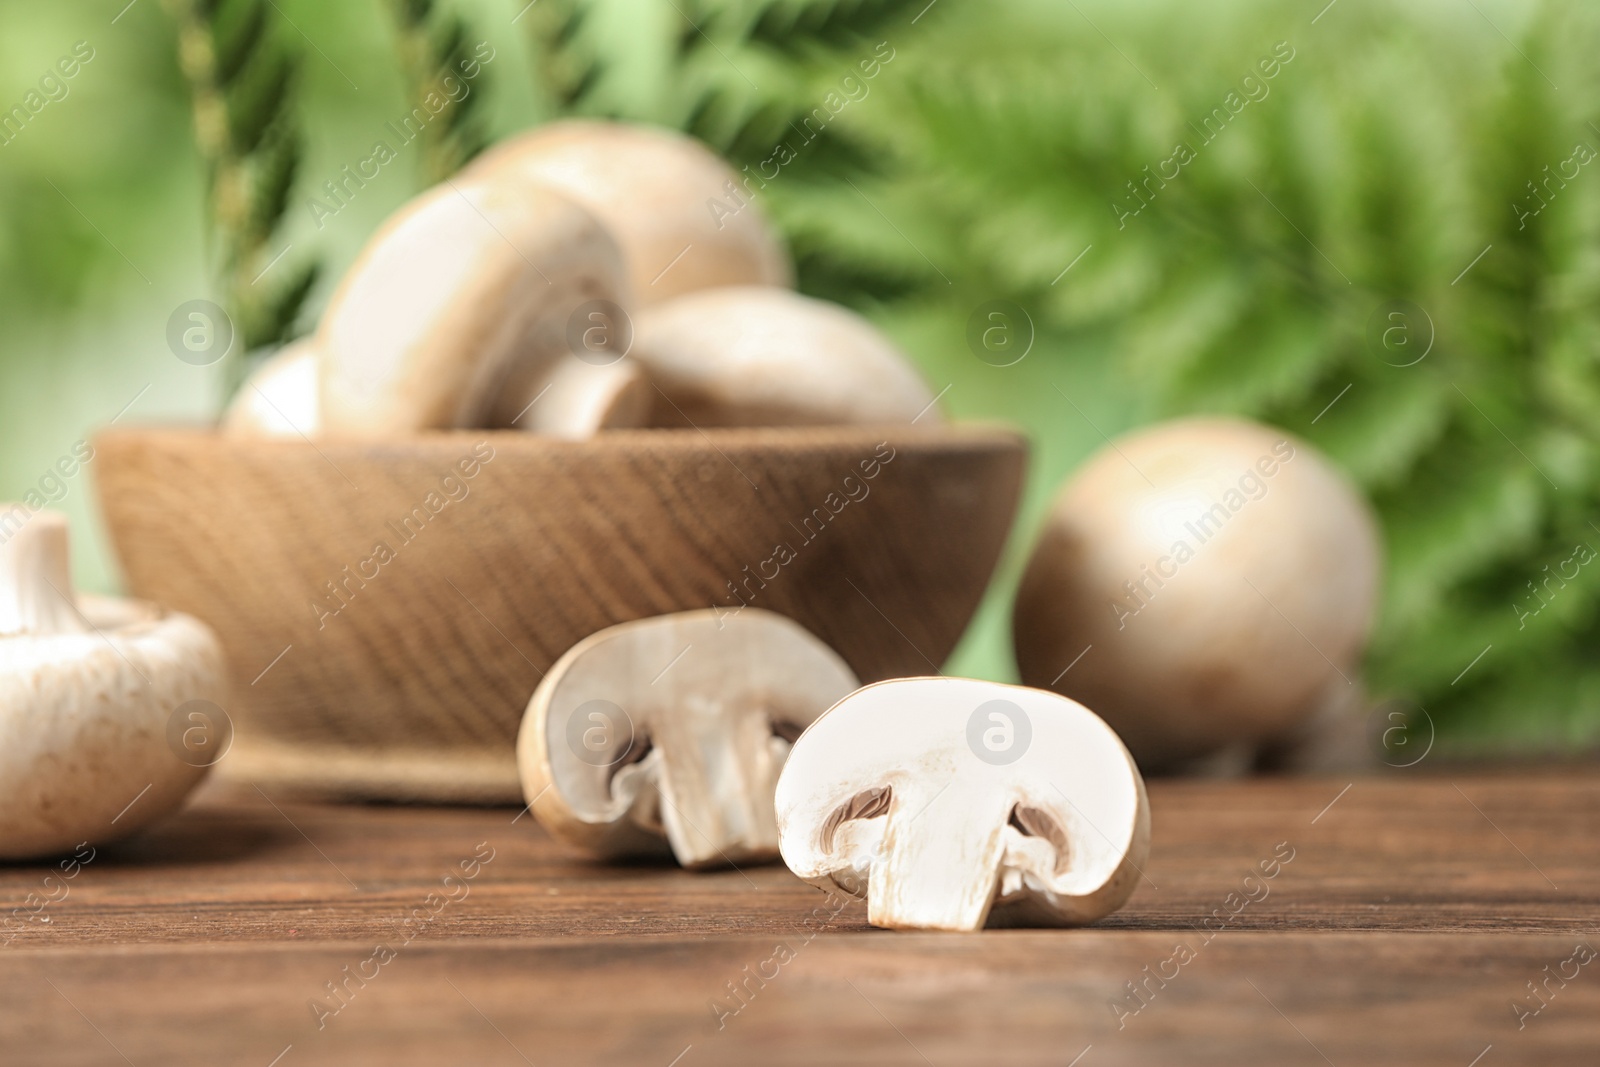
683,217
758,356
457,313
87,700
950,803
280,398
1207,585
675,727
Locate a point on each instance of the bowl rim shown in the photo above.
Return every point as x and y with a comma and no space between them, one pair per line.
961,436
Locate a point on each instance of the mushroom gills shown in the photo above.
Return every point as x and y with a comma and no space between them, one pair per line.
632,781
1031,822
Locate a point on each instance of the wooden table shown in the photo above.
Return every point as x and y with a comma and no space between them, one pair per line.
1404,922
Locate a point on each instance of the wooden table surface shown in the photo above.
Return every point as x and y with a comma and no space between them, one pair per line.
1406,920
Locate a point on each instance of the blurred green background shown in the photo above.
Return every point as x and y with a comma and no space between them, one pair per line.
1427,160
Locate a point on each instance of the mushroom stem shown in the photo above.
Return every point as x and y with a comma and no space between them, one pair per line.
939,872
717,784
35,577
579,399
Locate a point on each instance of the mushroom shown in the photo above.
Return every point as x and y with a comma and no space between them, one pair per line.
758,356
458,313
950,803
674,727
580,397
684,218
87,704
1218,580
280,398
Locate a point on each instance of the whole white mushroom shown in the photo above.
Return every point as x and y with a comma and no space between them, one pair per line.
1205,585
459,312
87,700
759,356
683,217
280,398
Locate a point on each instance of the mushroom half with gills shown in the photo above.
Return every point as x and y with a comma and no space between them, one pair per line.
87,697
675,727
951,803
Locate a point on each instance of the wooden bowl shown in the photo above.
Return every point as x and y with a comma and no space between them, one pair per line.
388,609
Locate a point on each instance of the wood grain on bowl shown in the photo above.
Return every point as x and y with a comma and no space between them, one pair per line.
388,608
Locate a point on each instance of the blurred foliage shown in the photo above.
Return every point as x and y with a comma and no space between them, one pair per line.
925,159
242,79
764,82
434,55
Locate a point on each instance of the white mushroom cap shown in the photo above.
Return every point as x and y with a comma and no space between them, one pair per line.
1222,576
758,356
458,309
85,713
674,727
657,191
948,797
280,398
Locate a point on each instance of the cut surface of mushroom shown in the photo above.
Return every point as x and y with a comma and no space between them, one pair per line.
682,216
280,398
1218,579
670,733
759,356
950,803
87,699
457,311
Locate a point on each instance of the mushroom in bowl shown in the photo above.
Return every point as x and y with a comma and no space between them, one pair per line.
458,313
671,731
951,803
759,356
674,207
279,399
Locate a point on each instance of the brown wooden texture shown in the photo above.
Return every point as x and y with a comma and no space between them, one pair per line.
406,674
1409,921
